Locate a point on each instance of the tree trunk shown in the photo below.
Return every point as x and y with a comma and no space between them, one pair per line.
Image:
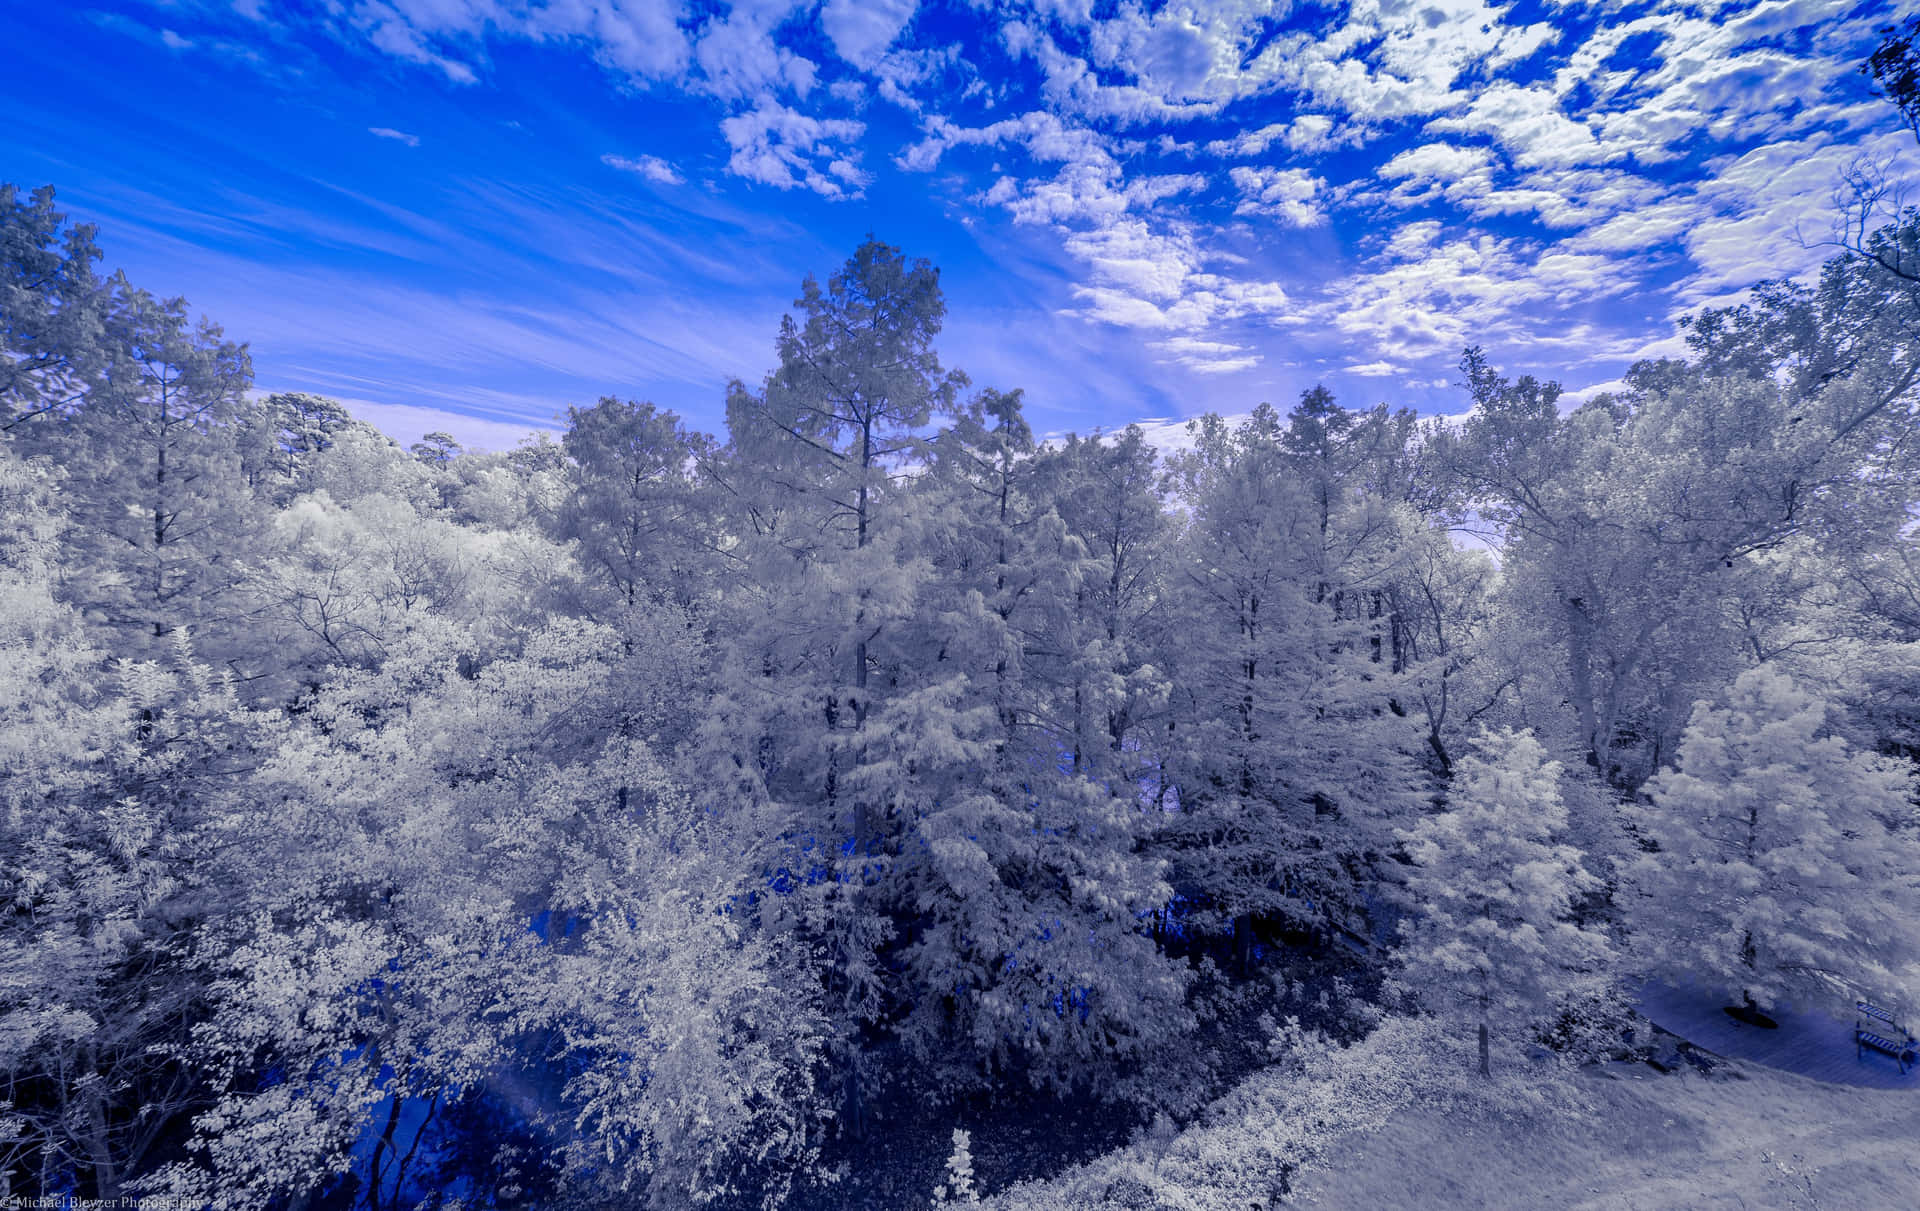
1580,673
855,1115
380,1150
106,1175
1486,1067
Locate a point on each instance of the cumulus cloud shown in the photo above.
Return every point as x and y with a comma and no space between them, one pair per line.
739,58
1307,133
862,30
1529,123
1413,239
1288,194
1765,200
1441,162
1448,294
782,147
1511,178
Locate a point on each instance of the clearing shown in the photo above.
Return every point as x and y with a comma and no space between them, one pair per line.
1754,1138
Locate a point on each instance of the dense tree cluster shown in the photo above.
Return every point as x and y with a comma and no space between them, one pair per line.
627,817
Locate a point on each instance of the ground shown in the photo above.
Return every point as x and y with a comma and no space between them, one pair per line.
1646,1142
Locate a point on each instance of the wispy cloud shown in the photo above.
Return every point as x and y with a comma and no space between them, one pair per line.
1208,357
1198,197
1374,370
653,168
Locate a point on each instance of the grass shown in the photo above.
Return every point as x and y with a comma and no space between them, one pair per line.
1645,1142
1400,1121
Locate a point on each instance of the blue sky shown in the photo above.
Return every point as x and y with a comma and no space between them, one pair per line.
497,208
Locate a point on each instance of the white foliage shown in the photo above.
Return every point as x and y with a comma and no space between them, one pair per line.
957,1189
1787,861
1493,940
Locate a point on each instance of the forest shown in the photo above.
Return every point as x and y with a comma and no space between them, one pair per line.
877,803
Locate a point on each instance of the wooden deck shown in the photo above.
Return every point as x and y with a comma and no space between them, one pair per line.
1812,1041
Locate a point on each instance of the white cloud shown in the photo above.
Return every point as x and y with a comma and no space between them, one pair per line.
1549,173
1207,357
1519,43
785,148
1442,162
398,136
408,423
1308,134
638,38
390,32
1172,436
1374,370
1413,239
1184,61
653,168
862,30
1288,194
1456,293
1529,123
1580,395
740,59
1773,202
1418,54
1250,142
1311,132
1639,230
1043,136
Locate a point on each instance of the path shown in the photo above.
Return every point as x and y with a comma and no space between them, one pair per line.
1810,1041
1645,1142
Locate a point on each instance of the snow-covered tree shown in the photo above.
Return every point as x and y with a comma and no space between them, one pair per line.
281,437
52,309
957,1190
637,509
1786,861
474,880
1285,748
115,777
1493,938
162,515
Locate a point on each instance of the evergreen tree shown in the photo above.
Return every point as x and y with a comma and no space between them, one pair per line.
817,470
1786,861
116,776
636,507
1494,940
281,438
53,309
162,516
1024,893
1286,751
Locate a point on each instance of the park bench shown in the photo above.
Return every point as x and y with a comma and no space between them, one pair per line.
1865,1038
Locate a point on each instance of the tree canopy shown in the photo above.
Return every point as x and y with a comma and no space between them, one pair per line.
682,819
